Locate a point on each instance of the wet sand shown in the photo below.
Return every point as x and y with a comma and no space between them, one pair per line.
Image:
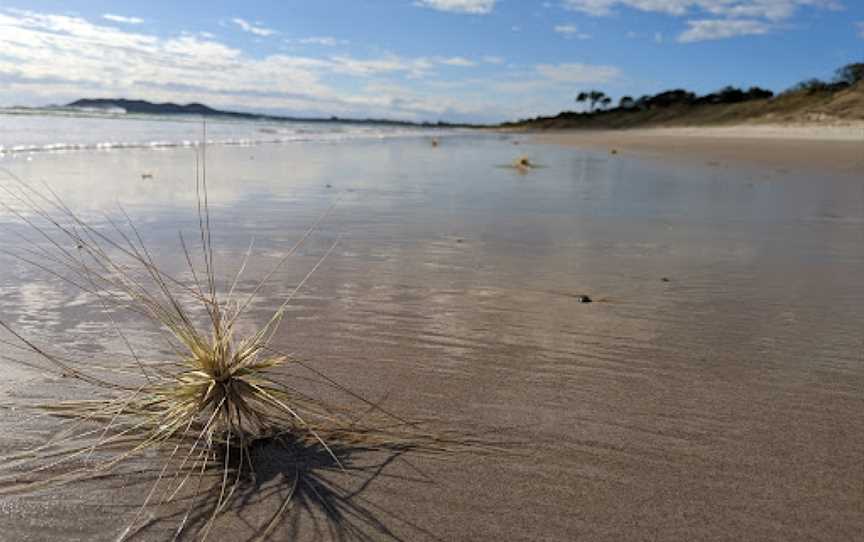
838,149
723,403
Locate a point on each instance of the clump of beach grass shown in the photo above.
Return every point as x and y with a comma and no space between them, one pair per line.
204,407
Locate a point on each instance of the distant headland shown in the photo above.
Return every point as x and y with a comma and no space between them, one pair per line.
143,107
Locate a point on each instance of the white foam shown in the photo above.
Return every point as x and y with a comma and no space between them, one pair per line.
36,132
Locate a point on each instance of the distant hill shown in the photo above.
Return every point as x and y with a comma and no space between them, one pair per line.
141,106
150,108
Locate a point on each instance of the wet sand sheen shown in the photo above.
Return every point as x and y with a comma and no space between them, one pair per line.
723,404
814,149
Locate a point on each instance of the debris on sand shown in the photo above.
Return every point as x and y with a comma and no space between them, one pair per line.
523,162
523,165
584,299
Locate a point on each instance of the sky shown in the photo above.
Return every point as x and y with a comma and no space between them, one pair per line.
452,60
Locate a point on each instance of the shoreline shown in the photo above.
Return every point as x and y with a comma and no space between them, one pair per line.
839,149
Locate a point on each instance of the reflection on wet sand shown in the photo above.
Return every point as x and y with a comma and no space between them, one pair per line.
722,403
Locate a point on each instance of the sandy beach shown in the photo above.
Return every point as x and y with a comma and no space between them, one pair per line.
432,270
812,148
712,391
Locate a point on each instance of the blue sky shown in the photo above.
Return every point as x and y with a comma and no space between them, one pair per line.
478,60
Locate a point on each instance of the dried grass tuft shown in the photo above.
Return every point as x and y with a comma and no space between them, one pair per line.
204,409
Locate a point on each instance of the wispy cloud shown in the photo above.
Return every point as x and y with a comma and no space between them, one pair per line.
457,61
556,79
122,19
578,73
59,57
768,9
711,19
715,29
478,7
327,41
50,58
246,26
571,31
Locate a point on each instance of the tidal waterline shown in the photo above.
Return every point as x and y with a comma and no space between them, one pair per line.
722,401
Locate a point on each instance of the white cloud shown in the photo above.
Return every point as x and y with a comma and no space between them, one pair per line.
346,65
720,19
479,7
52,58
327,41
246,26
715,29
571,31
768,9
49,58
457,61
122,19
578,73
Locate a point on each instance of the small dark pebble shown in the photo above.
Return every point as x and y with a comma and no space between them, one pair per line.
458,240
328,186
666,279
583,299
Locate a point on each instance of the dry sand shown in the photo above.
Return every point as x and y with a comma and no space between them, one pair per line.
723,404
812,148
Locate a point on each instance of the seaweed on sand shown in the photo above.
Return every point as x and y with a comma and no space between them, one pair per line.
522,165
206,409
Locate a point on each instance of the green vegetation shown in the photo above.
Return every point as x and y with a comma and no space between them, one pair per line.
811,100
593,98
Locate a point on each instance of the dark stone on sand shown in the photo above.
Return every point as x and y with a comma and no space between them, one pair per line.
583,299
666,279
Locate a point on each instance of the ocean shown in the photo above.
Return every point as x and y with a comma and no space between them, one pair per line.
28,131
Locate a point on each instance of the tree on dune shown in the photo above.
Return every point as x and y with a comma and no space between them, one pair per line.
850,73
593,97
